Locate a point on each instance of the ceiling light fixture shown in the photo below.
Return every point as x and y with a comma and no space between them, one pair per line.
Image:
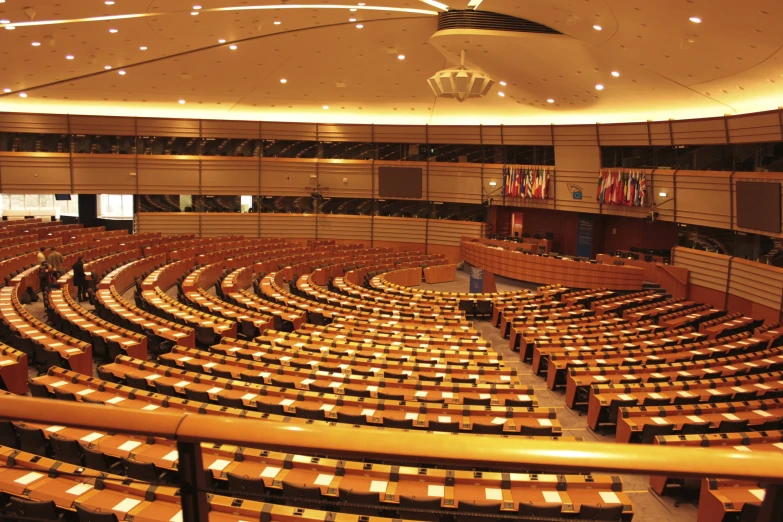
434,3
109,2
599,87
69,57
695,19
550,100
460,82
597,27
121,73
182,102
501,94
4,21
6,90
353,10
326,107
143,48
23,95
503,83
107,67
359,26
475,3
277,22
36,44
283,80
232,47
194,13
112,31
352,19
196,7
9,27
400,56
615,74
222,40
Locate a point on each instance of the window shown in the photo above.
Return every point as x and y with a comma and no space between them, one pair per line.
38,205
115,206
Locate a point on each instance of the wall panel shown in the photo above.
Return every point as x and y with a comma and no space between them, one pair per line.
756,128
400,229
400,133
229,176
354,228
577,171
660,133
215,224
701,132
345,178
103,125
288,225
104,174
576,135
355,133
454,134
289,131
756,282
755,176
230,129
527,135
168,175
624,134
707,269
460,182
35,173
703,198
287,178
423,165
174,223
166,127
450,233
33,123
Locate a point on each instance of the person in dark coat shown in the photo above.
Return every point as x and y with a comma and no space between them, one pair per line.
45,282
79,278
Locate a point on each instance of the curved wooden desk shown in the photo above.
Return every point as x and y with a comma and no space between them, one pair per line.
548,270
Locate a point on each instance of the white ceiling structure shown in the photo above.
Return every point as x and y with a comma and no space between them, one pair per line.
178,61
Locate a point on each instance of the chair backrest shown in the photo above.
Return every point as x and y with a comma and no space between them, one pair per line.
242,485
66,450
88,515
607,513
39,390
31,440
94,459
302,491
33,509
535,509
750,512
144,471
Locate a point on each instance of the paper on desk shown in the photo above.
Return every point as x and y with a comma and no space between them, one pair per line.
609,497
323,480
130,445
378,486
115,400
741,448
55,429
249,396
126,505
79,489
758,493
270,472
368,413
552,497
493,493
150,407
92,437
545,422
30,477
177,517
219,465
762,413
434,490
731,416
695,418
411,416
659,420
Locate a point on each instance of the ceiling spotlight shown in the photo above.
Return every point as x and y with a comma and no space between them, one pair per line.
358,26
122,73
112,31
222,40
9,27
362,3
695,19
194,13
196,7
662,194
550,100
597,27
326,107
4,21
36,44
599,87
182,102
352,19
277,22
503,83
400,56
107,67
353,10
232,47
109,2
69,57
23,95
283,80
143,48
6,90
460,82
615,74
501,94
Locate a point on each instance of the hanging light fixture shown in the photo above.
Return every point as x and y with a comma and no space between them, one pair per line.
460,82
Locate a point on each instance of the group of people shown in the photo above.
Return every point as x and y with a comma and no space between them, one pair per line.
51,269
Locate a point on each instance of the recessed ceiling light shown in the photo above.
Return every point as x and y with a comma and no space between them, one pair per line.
326,107
9,27
493,183
615,74
36,44
109,2
23,95
182,102
194,13
222,40
501,94
599,87
353,10
503,84
69,57
283,80
359,26
5,21
550,100
695,19
597,27
662,194
196,7
352,19
143,48
122,73
6,90
232,47
112,31
107,67
400,56
362,3
277,22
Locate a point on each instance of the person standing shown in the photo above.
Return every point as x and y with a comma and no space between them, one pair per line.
42,255
55,259
45,282
79,278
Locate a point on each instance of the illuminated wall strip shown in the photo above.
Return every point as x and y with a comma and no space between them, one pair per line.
434,3
475,3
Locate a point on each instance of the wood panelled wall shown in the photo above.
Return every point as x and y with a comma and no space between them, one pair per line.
692,197
426,235
731,283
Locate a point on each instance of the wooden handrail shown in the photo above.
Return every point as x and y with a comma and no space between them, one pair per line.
507,453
